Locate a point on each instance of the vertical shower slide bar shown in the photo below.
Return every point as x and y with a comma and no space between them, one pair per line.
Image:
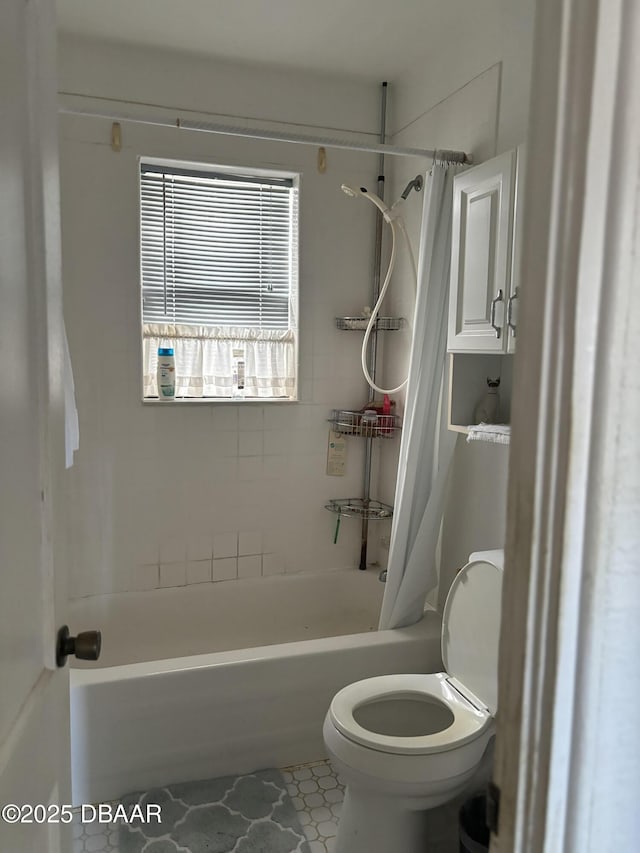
373,343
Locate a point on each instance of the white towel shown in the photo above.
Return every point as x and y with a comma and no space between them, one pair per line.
494,433
71,425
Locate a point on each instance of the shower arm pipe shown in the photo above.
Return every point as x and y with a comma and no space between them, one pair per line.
272,135
377,249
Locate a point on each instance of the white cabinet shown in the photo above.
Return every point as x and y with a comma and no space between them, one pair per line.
485,284
483,295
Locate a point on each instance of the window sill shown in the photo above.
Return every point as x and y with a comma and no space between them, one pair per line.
217,401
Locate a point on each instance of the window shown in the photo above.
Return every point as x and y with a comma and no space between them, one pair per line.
219,270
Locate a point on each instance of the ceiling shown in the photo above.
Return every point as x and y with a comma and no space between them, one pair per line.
371,39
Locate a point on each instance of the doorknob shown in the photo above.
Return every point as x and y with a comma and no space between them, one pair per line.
86,646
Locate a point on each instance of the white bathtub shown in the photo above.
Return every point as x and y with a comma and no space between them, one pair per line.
224,678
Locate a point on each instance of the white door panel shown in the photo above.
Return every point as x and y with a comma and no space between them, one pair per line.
34,723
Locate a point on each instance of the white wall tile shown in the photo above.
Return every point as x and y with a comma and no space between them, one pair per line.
225,417
224,472
250,443
199,548
147,549
249,542
250,567
199,571
249,468
279,417
172,549
146,577
274,538
272,564
225,545
275,467
305,390
224,443
276,442
173,574
225,570
251,417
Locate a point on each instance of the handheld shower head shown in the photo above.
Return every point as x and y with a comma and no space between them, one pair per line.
350,191
364,192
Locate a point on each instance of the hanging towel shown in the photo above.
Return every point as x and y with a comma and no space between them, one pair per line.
494,433
71,425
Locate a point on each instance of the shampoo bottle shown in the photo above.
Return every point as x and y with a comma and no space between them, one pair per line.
238,372
166,374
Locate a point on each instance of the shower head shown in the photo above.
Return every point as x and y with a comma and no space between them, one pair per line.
364,192
416,184
350,191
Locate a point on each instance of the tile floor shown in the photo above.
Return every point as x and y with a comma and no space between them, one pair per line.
317,793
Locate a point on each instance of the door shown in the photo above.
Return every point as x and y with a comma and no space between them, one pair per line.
481,256
34,718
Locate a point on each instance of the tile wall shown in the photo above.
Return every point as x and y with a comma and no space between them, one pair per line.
162,496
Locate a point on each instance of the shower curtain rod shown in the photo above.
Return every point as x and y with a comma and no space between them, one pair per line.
275,135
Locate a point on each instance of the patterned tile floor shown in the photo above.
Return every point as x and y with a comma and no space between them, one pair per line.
317,793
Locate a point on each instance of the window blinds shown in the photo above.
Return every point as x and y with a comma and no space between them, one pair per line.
217,249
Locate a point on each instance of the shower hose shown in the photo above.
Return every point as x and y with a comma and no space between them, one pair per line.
395,222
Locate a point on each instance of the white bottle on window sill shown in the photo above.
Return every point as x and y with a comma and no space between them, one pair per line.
166,374
238,373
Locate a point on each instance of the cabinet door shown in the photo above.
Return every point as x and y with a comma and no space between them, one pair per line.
513,302
481,256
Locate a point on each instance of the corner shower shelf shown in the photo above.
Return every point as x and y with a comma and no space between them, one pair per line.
348,422
359,324
359,508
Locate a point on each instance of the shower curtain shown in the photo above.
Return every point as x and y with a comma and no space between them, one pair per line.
426,451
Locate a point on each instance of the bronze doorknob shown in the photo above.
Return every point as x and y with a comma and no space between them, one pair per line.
86,646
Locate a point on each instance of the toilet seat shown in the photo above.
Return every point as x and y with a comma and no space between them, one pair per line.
467,724
468,688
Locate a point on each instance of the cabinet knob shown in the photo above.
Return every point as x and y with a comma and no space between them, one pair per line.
494,302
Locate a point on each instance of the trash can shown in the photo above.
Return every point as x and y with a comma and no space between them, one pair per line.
473,830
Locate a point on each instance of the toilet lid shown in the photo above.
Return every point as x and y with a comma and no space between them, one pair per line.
471,628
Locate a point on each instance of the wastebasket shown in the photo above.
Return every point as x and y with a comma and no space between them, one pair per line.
473,830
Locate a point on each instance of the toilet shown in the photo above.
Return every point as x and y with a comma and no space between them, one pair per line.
404,744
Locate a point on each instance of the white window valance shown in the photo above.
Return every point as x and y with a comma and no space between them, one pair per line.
205,360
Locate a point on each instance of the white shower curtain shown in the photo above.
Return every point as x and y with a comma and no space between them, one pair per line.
427,449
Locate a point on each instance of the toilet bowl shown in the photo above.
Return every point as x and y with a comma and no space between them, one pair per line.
404,744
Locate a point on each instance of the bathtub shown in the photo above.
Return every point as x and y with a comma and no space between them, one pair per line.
217,679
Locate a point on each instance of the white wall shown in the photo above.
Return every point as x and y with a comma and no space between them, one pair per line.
474,96
155,492
153,77
504,37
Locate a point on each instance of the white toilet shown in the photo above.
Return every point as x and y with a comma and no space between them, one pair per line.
404,744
